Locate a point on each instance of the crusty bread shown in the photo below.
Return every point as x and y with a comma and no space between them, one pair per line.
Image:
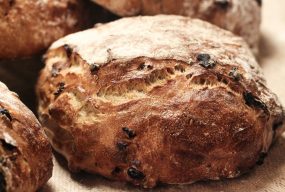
29,26
239,16
157,99
25,154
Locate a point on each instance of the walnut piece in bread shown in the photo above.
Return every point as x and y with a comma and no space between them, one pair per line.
25,153
157,99
30,26
242,17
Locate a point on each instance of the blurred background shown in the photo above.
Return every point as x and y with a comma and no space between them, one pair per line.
272,46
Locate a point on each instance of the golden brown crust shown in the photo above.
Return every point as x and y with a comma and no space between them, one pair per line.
29,26
242,17
25,154
157,99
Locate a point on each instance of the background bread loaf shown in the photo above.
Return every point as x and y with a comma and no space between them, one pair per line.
29,26
242,17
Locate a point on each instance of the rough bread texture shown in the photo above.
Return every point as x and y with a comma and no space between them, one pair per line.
242,17
30,26
25,153
157,99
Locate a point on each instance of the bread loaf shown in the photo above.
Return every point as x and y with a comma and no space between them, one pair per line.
242,17
30,26
157,99
25,154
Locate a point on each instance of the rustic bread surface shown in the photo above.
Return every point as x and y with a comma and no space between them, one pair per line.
25,153
157,99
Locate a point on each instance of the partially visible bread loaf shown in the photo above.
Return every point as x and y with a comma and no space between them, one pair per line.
29,26
242,17
157,99
25,154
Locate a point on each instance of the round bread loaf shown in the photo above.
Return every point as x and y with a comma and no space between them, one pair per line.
29,26
242,17
157,99
25,153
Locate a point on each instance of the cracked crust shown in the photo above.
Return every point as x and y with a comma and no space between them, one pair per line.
30,26
157,99
242,17
25,153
